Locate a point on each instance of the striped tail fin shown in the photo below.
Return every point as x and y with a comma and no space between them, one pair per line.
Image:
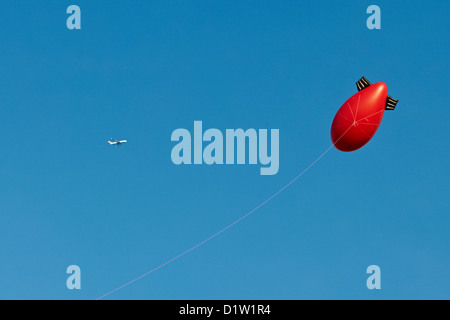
390,103
362,83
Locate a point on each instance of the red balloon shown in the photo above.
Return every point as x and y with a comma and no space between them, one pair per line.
360,116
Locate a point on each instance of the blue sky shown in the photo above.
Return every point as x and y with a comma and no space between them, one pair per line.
138,70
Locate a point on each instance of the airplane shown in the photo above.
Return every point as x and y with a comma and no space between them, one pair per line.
116,142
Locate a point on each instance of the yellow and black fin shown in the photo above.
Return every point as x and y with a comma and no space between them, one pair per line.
362,83
390,103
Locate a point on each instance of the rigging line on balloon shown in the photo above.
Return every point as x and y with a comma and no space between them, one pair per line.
350,107
230,225
365,118
340,115
370,124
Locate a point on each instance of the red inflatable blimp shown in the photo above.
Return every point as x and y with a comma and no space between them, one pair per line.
359,117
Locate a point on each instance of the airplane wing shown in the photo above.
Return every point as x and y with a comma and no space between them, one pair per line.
123,141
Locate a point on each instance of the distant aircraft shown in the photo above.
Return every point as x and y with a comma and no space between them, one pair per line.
116,142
